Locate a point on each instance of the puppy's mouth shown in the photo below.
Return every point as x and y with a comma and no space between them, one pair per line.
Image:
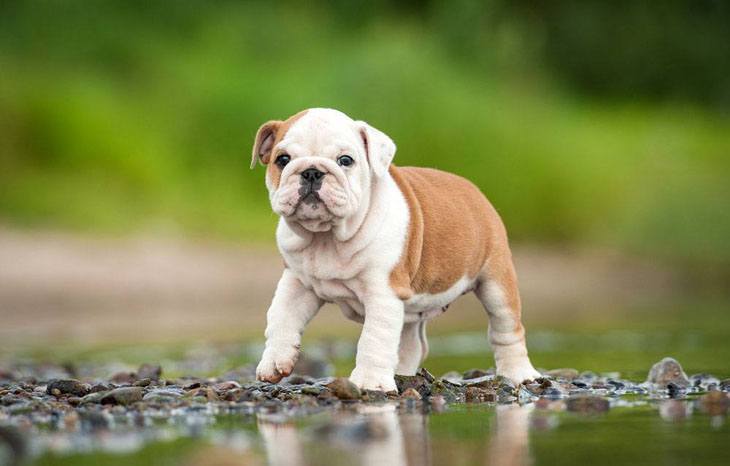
308,195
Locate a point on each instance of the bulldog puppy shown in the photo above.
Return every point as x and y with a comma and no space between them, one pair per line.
392,246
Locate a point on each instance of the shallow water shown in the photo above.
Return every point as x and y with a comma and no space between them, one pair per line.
634,430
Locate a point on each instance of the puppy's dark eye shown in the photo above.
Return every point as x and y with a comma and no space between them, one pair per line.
344,161
282,160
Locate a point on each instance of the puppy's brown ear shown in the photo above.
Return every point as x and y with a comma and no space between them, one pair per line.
264,142
380,149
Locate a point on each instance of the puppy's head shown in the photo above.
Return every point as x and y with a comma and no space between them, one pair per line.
321,166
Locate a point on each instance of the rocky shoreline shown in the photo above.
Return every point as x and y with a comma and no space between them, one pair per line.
141,398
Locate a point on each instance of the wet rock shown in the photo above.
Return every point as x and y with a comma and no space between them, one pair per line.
423,372
704,382
675,390
225,386
142,382
563,373
417,382
343,389
667,371
69,386
475,394
149,371
312,390
715,403
725,385
374,396
123,396
100,387
524,395
587,404
538,386
616,384
475,374
452,393
164,395
580,384
192,385
94,397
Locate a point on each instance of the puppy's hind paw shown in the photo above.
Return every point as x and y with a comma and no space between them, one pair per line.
519,373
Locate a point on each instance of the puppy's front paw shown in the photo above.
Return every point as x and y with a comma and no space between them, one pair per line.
373,379
276,363
518,372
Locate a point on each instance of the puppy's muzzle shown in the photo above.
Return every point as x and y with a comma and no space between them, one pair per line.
311,181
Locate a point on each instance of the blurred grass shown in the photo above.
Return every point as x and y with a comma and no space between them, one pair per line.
112,122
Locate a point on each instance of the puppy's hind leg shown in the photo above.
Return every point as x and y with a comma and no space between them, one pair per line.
413,348
498,292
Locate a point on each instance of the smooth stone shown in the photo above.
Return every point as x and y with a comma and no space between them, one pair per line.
667,371
343,389
163,394
123,396
68,386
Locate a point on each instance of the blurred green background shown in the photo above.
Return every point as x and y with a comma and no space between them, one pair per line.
587,123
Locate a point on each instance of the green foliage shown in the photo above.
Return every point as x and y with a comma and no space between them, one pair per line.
125,116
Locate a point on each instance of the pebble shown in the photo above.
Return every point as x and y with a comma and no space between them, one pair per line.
69,386
343,389
123,396
667,371
417,382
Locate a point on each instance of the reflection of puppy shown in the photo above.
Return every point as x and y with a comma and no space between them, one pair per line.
392,246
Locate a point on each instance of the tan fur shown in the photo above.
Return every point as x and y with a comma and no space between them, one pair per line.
280,128
453,231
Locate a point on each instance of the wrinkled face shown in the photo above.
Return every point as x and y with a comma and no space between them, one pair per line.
319,171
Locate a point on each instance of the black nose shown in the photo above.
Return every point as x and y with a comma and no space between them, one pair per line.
312,175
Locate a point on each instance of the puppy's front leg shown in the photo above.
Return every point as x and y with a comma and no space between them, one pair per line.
292,308
377,350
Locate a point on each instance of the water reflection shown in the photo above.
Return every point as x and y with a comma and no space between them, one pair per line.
381,435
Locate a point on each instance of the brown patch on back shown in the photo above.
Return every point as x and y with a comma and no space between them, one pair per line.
452,232
273,172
